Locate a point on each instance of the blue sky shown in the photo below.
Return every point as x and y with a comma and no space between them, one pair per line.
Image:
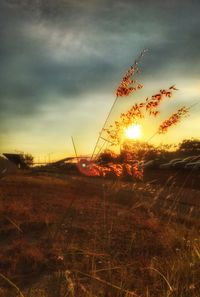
61,62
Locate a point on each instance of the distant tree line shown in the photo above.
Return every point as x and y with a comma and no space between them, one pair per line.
189,147
138,151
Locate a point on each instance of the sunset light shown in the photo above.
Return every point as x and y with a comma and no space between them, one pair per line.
133,131
99,148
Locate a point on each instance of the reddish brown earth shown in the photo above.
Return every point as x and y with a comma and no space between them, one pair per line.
106,233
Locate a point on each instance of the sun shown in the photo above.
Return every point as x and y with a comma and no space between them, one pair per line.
133,131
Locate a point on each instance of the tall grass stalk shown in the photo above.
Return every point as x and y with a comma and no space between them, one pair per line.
12,284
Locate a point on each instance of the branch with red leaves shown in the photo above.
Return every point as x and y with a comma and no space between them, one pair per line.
173,119
127,84
155,100
136,113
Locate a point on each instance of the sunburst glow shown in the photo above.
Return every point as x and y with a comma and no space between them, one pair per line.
133,131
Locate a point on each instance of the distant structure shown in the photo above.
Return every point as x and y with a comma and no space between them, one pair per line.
17,159
7,167
63,161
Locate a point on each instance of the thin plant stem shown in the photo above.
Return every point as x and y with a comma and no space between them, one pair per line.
11,284
74,148
162,275
111,109
130,293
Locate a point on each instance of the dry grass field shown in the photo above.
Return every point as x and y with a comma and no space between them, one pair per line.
72,236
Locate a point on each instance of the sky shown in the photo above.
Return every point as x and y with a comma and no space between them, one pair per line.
61,62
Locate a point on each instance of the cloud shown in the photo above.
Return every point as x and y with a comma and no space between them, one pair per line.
57,51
